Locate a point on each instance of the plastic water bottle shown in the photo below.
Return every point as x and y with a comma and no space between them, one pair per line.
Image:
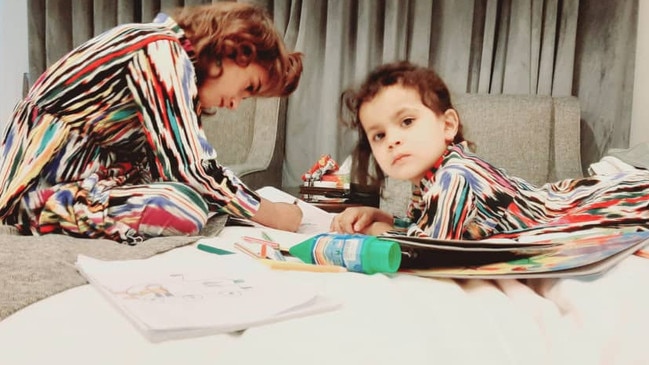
356,252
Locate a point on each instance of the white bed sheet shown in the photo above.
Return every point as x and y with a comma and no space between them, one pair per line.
384,320
397,319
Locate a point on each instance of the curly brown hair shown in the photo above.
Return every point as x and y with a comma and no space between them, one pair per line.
244,33
433,92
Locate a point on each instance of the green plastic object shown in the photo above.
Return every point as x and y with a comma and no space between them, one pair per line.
356,252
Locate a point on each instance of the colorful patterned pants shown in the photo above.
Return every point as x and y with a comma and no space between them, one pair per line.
96,208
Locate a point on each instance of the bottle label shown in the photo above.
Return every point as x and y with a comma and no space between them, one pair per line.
341,250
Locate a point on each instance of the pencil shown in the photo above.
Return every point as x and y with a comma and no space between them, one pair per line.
267,237
260,241
275,251
299,266
212,249
245,250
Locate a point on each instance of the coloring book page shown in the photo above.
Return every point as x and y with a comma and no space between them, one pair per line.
180,298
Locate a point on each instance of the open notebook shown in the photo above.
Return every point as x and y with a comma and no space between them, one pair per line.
574,254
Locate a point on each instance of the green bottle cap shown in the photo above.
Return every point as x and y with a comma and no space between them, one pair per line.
303,250
381,256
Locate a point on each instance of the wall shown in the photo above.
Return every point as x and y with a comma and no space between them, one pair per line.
640,115
13,55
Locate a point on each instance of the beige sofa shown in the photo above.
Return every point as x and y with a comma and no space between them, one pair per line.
250,140
531,136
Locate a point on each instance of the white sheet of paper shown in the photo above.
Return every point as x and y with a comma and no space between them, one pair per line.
214,294
314,219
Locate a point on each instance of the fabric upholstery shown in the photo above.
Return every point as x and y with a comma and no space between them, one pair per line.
250,140
530,136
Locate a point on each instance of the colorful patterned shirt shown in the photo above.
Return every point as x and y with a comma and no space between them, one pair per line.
124,101
465,197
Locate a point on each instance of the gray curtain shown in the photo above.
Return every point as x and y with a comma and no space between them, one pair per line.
57,26
584,48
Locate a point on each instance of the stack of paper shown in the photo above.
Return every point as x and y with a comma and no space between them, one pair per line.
168,299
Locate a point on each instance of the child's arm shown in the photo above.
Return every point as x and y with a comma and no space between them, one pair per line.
278,215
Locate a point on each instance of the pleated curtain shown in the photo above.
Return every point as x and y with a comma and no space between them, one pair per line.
584,48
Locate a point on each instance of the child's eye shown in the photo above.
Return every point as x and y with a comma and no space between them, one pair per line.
406,122
250,88
378,136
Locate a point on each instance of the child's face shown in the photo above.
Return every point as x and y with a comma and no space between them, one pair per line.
233,85
406,137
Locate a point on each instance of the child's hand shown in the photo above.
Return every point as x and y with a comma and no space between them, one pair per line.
360,219
377,228
284,216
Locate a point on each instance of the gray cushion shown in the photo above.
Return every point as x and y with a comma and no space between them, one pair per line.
250,140
513,133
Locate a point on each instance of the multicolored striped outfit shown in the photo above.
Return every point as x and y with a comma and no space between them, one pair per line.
108,143
464,197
